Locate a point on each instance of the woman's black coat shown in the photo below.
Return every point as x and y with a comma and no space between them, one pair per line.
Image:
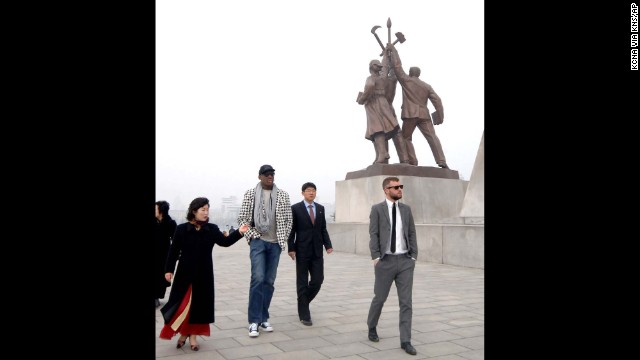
194,249
164,232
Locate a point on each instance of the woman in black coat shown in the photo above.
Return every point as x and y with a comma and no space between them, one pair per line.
190,307
165,227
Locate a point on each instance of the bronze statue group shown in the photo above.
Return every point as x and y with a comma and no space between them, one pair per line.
382,123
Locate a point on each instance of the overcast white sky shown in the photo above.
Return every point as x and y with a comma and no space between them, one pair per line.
245,83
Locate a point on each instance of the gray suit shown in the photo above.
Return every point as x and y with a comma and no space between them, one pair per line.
390,268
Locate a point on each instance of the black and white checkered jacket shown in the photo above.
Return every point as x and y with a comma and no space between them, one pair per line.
284,218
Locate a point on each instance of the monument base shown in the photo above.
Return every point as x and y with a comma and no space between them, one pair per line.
403,170
434,200
435,196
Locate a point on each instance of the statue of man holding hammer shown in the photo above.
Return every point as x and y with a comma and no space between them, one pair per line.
415,94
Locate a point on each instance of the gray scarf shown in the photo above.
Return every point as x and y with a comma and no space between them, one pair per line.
263,209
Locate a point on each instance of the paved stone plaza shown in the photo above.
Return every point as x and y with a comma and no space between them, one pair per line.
448,314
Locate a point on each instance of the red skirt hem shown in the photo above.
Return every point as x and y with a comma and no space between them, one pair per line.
185,328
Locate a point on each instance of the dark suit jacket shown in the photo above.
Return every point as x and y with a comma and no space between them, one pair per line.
380,230
307,239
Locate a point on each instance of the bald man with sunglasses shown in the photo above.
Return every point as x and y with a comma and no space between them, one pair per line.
394,250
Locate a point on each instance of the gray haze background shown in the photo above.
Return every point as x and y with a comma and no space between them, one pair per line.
245,83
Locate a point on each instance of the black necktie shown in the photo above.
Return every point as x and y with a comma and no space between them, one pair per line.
393,228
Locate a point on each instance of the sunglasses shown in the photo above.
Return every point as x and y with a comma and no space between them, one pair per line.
396,187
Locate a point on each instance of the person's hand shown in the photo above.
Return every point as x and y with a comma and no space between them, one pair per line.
292,254
329,250
168,276
243,229
375,261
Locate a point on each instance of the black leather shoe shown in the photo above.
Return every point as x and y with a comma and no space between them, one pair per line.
408,348
373,335
306,322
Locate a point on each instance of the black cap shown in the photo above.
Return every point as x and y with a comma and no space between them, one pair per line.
265,168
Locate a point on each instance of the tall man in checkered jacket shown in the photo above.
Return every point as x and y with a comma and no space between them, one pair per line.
267,211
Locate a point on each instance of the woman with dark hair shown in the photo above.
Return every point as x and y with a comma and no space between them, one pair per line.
190,308
165,227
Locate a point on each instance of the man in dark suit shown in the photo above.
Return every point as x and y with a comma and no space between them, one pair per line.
308,235
394,250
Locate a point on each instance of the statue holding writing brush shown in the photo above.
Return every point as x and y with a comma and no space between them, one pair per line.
377,98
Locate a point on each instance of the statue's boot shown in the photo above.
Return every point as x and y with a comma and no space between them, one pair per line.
381,145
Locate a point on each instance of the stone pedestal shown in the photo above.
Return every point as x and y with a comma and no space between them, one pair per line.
434,194
403,170
436,198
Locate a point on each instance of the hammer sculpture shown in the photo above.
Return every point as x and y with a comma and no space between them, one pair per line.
399,36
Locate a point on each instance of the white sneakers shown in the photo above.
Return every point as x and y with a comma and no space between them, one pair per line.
253,328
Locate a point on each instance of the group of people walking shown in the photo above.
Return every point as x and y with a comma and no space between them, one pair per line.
271,225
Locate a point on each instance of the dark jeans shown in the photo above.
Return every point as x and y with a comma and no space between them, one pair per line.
265,257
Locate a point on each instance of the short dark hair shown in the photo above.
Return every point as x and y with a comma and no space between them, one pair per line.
386,181
196,204
308,185
163,207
